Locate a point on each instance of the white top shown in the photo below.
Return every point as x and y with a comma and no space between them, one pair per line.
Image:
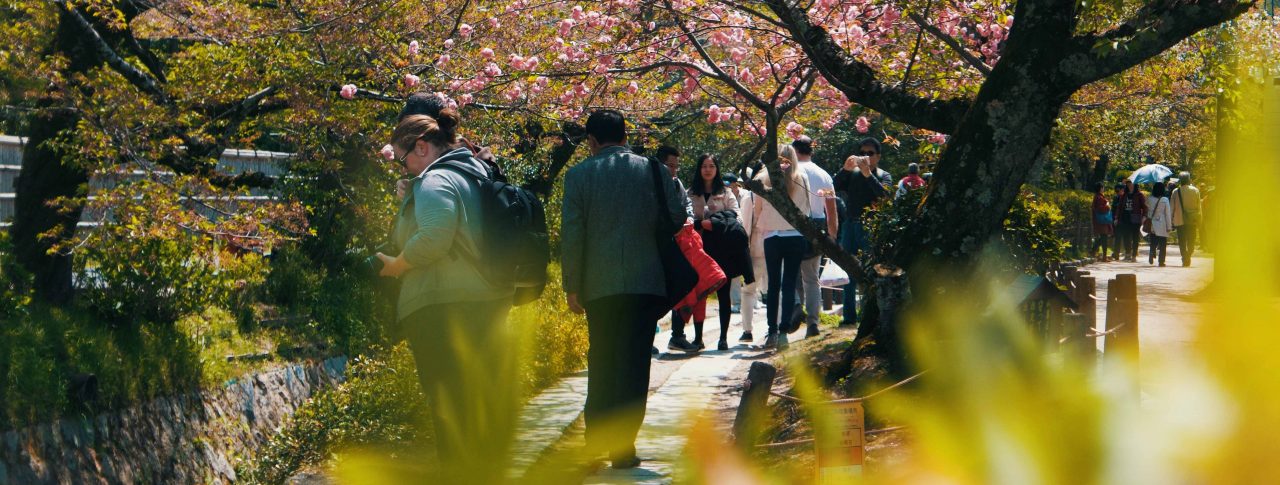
1161,214
772,223
819,180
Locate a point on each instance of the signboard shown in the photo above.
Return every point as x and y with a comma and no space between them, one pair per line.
840,459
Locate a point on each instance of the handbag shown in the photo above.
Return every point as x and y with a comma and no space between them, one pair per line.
833,275
678,274
1104,218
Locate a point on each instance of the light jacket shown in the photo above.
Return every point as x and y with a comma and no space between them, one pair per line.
439,227
703,206
1161,214
1186,204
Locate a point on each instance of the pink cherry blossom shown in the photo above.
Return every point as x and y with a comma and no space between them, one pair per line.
577,13
863,124
410,80
653,25
633,88
492,70
540,81
348,91
566,26
465,99
493,22
388,152
938,139
713,114
413,48
465,30
444,59
486,53
448,43
794,130
601,69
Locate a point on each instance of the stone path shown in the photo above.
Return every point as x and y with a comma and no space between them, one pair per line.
681,385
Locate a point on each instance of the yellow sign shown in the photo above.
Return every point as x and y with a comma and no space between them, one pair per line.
840,459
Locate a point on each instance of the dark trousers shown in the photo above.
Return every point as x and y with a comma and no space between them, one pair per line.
1100,244
620,331
467,368
723,297
853,238
1187,242
782,257
1129,238
1158,246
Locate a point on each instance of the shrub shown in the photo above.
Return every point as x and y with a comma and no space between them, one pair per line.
379,404
559,337
1030,236
15,282
155,261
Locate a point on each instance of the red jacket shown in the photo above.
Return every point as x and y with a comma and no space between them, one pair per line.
710,276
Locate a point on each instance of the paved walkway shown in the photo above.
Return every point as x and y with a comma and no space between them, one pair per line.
1168,311
681,385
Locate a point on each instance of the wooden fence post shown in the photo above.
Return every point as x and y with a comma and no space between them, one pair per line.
752,409
1075,329
1122,309
1088,288
828,299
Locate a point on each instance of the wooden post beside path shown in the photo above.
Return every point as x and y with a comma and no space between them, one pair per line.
752,408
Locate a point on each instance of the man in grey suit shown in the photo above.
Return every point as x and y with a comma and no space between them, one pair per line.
612,271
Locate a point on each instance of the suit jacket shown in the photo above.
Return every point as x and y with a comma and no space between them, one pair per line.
609,225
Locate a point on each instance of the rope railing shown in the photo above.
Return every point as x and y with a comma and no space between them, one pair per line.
852,399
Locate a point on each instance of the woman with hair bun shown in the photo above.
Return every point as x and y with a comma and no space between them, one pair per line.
453,318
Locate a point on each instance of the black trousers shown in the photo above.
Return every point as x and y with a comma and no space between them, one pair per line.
620,330
467,367
1187,242
1158,246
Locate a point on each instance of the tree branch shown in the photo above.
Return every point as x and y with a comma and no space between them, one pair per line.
131,73
951,42
858,81
1152,30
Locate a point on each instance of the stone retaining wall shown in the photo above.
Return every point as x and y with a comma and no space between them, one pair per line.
196,438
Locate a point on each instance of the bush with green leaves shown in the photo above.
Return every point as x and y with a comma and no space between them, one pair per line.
155,261
380,404
1031,238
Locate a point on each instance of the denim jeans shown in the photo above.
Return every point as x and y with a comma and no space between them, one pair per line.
782,256
853,238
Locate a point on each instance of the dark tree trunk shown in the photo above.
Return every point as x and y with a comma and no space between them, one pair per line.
48,174
1100,167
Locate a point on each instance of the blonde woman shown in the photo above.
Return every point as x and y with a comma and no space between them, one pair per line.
784,247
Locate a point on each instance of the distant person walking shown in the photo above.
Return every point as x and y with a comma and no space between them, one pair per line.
751,213
612,271
1103,222
1131,211
454,319
715,217
670,156
784,247
912,181
822,210
1186,215
1160,218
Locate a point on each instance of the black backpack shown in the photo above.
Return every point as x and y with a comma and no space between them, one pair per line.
514,246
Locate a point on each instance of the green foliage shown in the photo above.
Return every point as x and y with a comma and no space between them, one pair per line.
42,351
15,283
1031,237
154,262
559,337
294,281
1031,234
379,404
1076,208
